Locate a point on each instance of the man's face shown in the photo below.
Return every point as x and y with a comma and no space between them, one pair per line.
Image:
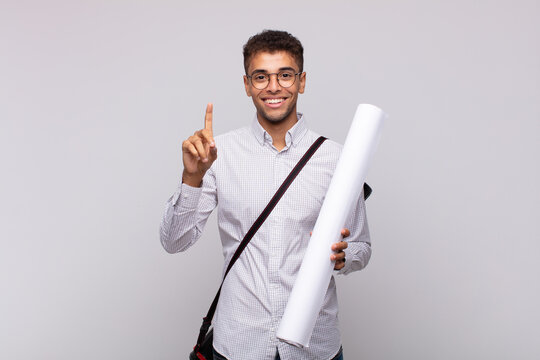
275,103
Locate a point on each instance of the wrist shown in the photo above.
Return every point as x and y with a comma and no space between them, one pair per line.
193,180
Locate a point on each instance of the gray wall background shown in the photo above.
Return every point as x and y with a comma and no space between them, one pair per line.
96,97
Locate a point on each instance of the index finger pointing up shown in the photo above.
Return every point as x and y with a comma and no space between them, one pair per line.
208,117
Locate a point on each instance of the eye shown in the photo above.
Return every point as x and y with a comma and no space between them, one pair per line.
259,77
286,75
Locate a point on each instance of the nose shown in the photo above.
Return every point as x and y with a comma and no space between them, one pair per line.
273,84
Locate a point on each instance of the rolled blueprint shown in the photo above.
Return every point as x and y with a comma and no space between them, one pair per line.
312,281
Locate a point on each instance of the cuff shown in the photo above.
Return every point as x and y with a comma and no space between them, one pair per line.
348,263
186,197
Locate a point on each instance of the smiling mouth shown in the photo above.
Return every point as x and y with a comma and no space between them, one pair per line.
274,101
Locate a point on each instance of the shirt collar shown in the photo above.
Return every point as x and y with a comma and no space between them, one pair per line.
293,136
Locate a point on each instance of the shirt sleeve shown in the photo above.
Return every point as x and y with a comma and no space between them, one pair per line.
358,252
186,213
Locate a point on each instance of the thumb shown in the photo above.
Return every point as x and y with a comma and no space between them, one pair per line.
212,153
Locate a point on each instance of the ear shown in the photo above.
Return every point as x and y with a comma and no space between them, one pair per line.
302,83
246,85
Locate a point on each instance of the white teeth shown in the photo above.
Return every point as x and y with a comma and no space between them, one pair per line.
273,101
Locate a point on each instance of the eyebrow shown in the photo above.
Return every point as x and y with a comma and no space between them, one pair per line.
265,71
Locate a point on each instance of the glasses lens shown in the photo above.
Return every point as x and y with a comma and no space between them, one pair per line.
259,80
286,78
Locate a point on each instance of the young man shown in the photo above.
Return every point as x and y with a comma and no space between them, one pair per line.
252,163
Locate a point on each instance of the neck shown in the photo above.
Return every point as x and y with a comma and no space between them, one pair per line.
278,130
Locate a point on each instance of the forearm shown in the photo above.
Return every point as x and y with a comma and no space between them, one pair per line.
358,252
188,209
185,215
357,257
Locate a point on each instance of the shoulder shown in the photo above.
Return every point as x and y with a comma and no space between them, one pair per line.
328,147
234,145
233,136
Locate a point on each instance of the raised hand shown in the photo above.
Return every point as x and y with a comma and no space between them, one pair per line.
199,152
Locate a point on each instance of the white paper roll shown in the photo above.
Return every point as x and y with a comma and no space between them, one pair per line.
312,281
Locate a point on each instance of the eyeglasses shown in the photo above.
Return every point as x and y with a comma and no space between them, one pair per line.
261,80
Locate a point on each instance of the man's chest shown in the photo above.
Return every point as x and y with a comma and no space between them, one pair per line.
246,183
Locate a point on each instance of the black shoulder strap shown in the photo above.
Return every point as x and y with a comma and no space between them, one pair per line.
207,320
367,191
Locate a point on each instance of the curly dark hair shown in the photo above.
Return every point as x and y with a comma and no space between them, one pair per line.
272,41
